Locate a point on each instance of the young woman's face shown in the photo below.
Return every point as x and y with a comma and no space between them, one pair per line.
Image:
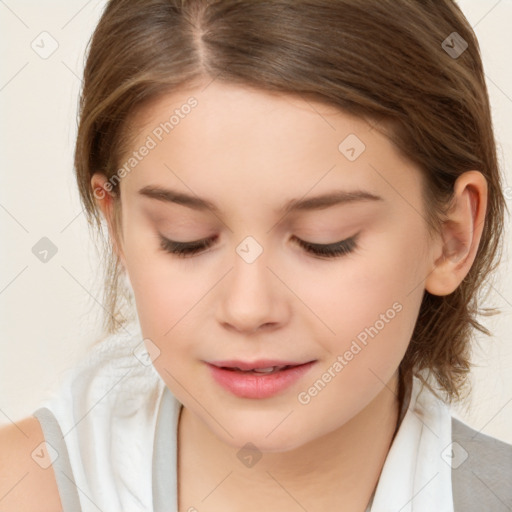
246,170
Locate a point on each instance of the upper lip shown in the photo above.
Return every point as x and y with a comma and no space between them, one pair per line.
251,365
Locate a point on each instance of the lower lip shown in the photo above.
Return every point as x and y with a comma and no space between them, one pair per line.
253,385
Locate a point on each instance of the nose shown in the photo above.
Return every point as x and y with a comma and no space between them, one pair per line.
252,298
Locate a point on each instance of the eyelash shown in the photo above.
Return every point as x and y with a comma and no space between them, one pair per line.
334,250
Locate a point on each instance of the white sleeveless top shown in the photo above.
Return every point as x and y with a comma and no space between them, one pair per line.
111,435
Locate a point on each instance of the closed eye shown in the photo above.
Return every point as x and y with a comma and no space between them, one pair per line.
333,250
186,249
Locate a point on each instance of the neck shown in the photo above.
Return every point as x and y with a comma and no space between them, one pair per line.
342,466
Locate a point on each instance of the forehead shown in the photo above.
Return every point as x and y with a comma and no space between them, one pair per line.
227,112
221,136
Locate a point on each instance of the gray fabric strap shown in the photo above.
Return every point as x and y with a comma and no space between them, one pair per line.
481,471
63,473
165,464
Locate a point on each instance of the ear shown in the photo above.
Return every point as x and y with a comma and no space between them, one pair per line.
461,232
105,197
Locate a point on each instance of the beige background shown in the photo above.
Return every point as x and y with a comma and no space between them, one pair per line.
50,312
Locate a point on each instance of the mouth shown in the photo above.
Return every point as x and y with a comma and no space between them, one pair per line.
261,371
258,379
259,366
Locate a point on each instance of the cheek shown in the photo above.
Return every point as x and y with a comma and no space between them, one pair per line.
162,286
372,299
166,300
165,297
373,303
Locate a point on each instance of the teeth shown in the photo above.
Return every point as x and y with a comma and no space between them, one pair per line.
265,370
270,369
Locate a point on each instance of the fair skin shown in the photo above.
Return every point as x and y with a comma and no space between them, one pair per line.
248,152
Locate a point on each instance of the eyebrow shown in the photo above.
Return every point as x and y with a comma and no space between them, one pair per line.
304,204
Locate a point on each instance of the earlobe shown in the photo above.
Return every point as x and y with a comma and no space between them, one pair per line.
105,197
461,233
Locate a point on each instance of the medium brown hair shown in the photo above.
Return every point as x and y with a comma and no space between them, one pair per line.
382,60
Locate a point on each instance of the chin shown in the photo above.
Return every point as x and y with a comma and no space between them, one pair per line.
263,435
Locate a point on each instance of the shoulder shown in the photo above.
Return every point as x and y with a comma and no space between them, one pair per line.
481,470
27,482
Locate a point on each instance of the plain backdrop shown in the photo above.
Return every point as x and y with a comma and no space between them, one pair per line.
50,311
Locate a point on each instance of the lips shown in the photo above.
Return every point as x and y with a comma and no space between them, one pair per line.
258,379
